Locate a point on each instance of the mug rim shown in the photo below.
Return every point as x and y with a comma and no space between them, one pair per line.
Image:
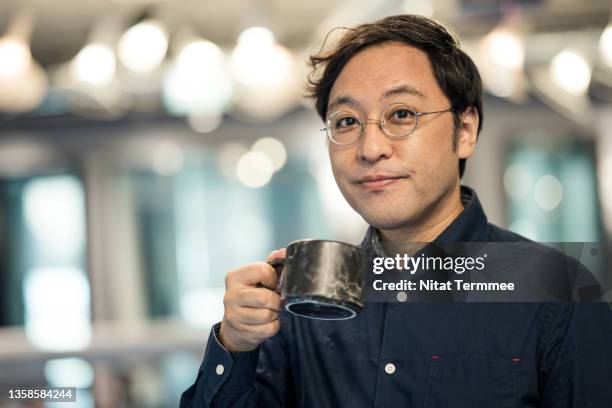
351,307
322,240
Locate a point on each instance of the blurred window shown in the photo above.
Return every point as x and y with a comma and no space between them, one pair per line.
42,264
198,224
551,191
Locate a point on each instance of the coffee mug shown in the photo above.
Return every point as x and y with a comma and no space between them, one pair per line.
321,279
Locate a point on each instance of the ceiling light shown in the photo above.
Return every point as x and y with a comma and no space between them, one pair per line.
505,48
198,82
143,47
256,36
264,73
571,72
605,45
15,56
94,64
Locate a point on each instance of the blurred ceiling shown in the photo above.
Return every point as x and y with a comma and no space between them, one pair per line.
62,27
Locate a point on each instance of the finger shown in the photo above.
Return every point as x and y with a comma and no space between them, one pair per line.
260,332
273,258
253,273
260,298
256,316
277,254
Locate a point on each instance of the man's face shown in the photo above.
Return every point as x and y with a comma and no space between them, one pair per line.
394,183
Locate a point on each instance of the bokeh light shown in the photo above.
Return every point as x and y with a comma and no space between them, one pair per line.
571,72
198,82
254,169
94,64
605,45
15,56
274,149
548,192
143,47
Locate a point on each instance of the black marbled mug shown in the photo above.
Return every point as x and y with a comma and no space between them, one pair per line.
321,279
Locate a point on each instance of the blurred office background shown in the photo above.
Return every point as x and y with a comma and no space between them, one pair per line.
147,147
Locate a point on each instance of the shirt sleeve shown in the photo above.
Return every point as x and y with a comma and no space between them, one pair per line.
257,378
577,357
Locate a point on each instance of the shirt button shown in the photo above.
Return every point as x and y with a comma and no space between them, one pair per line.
389,368
220,369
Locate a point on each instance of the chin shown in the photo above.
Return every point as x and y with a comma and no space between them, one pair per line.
386,223
386,211
386,220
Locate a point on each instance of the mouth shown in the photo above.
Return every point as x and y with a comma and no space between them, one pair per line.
378,182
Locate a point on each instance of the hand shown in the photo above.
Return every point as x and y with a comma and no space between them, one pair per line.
251,312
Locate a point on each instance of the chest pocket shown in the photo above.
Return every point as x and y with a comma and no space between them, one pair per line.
472,380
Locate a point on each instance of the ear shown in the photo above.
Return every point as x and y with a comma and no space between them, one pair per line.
468,132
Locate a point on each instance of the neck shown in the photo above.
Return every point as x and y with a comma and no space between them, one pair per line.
443,213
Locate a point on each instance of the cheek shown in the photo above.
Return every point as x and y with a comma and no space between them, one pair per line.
340,161
438,141
430,157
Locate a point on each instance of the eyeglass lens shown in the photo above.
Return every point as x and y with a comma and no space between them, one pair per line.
397,120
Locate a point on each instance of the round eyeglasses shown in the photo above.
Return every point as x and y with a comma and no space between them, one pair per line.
396,120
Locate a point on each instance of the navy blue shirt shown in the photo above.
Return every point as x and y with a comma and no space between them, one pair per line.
491,355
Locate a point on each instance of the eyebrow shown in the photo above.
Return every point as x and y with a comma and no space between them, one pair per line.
343,100
398,90
403,89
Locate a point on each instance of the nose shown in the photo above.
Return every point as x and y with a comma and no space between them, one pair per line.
373,144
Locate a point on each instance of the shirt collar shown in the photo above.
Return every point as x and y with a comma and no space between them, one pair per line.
469,226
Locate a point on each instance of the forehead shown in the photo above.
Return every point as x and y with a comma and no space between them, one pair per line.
369,74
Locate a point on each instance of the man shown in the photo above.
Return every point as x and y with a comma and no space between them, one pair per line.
402,106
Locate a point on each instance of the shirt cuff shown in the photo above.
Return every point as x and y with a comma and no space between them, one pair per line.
227,372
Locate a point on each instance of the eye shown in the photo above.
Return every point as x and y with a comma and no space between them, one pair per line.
403,114
344,122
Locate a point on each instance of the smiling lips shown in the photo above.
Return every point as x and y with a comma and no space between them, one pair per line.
377,182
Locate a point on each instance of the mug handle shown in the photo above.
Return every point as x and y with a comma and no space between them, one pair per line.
278,264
